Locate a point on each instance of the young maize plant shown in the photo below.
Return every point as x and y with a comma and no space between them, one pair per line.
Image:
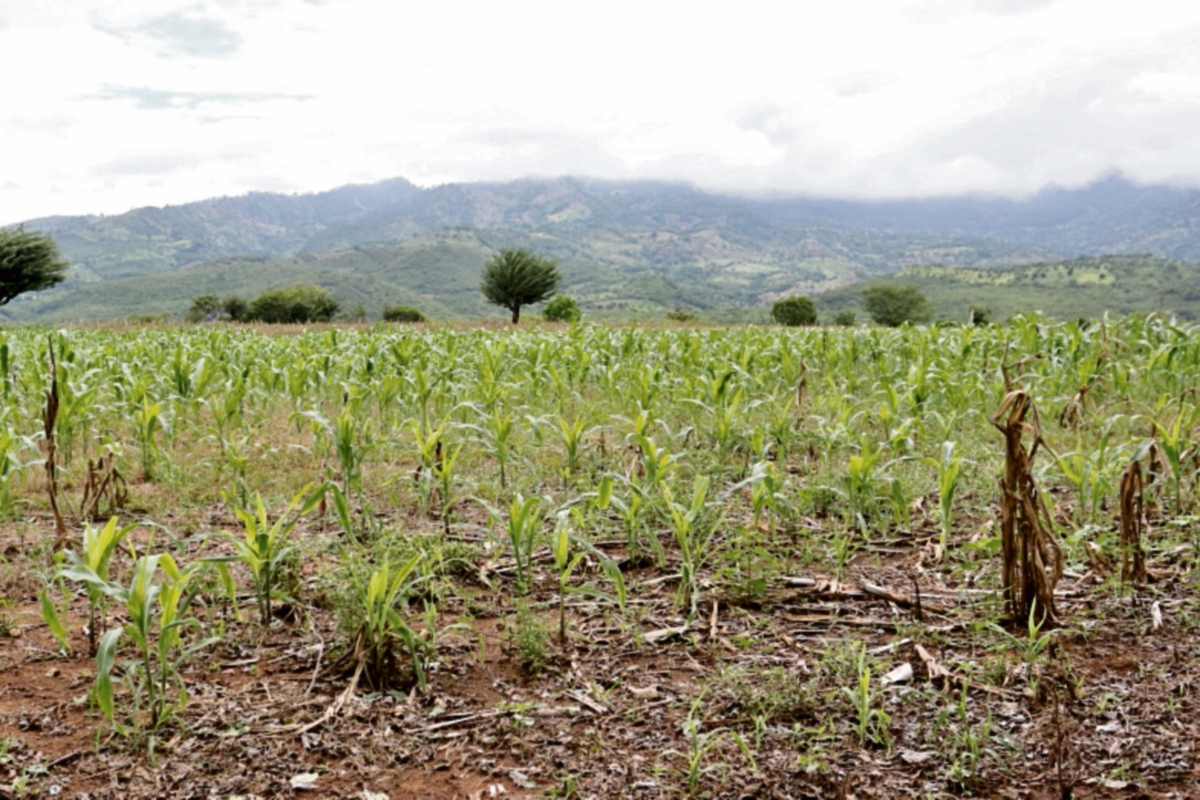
694,530
700,743
1177,449
871,723
1092,470
158,619
12,445
767,495
949,468
569,550
97,550
496,431
436,466
381,601
571,433
524,524
148,421
348,438
863,473
265,547
632,511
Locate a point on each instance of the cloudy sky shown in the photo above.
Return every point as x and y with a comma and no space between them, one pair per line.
111,105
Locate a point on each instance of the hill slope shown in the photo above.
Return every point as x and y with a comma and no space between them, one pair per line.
1110,216
626,247
1082,287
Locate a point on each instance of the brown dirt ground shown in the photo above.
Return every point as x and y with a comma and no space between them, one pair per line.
605,718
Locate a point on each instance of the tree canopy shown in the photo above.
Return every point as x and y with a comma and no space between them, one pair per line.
401,313
29,261
517,277
295,304
895,305
796,310
562,308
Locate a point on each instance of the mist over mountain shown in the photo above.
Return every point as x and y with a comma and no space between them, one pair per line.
627,248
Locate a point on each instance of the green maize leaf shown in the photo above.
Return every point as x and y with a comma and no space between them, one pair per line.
50,615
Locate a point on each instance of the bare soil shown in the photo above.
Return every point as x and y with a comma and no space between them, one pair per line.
1108,710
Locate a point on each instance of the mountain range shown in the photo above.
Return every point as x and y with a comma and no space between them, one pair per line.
627,249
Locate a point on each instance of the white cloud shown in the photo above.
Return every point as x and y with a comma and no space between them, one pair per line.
161,101
180,34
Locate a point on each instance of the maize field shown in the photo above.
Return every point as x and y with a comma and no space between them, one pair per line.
601,561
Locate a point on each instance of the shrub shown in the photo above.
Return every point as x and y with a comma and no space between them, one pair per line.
682,315
402,314
561,308
295,304
204,308
209,307
895,305
235,308
798,310
844,318
979,315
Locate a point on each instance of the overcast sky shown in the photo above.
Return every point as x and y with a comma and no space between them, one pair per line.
106,106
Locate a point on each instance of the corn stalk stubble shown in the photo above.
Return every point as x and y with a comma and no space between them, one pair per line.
1133,560
1032,556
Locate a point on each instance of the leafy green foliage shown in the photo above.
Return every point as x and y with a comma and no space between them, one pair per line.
1079,288
264,547
524,524
29,262
97,550
379,604
731,458
295,304
797,310
893,306
529,638
561,308
204,308
871,722
158,620
518,277
402,313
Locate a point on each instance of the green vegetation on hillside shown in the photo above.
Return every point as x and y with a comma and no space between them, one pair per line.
628,250
1077,288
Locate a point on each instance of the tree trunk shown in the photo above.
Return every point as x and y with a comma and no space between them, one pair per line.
516,314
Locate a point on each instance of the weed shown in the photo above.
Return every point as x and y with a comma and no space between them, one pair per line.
529,639
871,723
700,744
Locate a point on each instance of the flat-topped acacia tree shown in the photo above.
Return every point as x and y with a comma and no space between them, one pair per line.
518,277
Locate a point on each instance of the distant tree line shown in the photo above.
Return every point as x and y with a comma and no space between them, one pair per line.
296,304
299,304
